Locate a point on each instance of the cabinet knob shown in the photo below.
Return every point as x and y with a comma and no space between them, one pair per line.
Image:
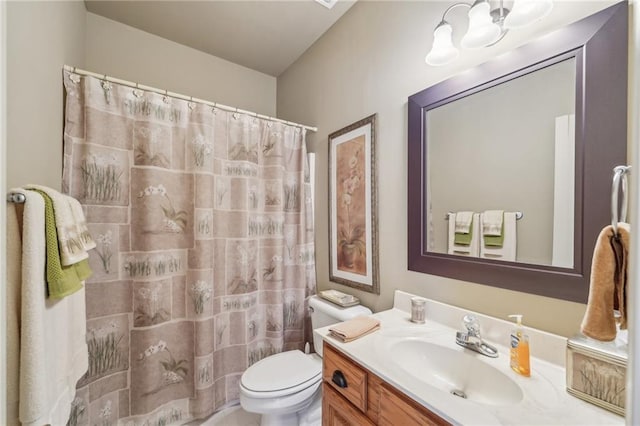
339,379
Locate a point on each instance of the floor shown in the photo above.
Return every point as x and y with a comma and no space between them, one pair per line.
232,416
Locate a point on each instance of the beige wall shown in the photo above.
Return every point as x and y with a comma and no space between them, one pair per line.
44,36
122,51
41,38
633,378
370,62
3,208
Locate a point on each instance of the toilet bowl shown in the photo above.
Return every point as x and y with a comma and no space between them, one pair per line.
281,387
285,388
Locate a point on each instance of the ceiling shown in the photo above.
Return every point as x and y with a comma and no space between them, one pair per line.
264,35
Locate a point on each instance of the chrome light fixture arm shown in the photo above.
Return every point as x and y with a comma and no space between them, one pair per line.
453,6
498,14
486,26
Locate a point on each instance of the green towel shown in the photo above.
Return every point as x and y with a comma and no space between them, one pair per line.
463,239
62,280
495,240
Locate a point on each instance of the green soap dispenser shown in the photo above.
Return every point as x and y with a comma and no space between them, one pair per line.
519,349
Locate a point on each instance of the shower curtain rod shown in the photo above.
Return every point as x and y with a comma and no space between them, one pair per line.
183,97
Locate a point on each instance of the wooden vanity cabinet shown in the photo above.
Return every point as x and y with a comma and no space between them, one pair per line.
337,411
352,395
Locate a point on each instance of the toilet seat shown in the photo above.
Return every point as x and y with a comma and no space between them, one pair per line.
281,374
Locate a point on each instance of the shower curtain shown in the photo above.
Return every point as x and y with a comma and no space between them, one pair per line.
205,253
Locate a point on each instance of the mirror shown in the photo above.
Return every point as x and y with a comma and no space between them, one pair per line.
515,152
537,131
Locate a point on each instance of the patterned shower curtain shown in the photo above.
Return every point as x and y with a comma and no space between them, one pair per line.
205,256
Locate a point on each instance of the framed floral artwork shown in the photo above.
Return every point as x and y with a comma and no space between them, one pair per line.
353,228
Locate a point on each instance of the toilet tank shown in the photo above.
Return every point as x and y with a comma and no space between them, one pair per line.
324,313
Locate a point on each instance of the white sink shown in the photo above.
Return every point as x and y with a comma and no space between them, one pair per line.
454,371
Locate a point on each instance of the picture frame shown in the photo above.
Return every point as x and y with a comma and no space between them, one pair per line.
353,226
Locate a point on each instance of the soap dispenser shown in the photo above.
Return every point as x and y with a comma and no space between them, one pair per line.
519,349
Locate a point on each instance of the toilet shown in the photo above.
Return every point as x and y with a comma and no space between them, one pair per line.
285,388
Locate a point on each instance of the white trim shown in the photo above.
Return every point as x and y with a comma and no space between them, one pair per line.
563,192
633,376
3,209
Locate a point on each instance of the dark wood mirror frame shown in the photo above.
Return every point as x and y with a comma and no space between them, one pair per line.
599,44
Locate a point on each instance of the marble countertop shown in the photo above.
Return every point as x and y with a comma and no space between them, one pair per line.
545,400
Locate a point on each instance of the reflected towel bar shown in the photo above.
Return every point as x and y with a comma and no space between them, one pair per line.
519,215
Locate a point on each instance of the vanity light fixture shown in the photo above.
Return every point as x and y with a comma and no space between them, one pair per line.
486,26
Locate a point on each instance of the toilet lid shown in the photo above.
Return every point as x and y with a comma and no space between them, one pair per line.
281,371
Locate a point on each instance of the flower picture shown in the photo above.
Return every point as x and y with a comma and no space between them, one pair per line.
351,217
175,221
352,194
173,371
103,249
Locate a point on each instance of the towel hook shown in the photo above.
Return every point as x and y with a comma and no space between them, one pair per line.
618,185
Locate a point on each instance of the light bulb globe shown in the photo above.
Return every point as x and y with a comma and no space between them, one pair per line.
482,30
525,12
443,51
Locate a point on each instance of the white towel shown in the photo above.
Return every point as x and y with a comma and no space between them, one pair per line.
53,350
73,235
463,222
508,250
492,223
473,249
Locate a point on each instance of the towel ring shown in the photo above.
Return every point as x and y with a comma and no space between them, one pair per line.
619,183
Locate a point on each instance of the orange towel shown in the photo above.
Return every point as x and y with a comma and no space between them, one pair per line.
608,285
354,328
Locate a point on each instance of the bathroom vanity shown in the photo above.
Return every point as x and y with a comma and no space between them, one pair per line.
362,398
408,373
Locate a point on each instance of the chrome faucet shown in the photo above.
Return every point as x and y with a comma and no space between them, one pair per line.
472,340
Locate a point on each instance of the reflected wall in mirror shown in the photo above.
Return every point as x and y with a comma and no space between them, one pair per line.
509,147
454,166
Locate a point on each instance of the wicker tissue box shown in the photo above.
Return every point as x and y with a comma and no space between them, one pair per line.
596,372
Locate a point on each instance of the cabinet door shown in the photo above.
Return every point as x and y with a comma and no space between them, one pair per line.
354,378
397,409
337,411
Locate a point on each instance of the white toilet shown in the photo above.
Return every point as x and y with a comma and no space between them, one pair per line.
285,388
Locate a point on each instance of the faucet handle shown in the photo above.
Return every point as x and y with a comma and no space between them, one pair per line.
472,325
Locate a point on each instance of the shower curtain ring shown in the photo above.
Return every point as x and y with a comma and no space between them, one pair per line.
74,76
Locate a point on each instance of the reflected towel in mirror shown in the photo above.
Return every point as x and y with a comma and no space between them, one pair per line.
470,249
463,222
507,251
492,223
